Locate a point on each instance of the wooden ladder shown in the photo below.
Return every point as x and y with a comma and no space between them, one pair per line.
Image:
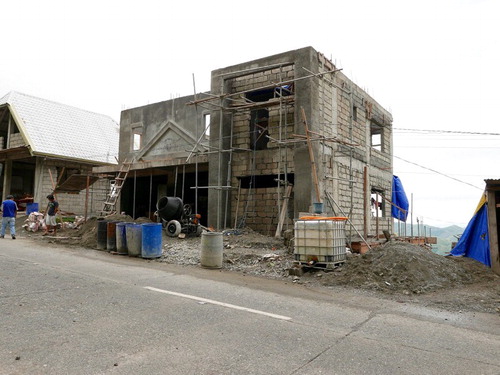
109,207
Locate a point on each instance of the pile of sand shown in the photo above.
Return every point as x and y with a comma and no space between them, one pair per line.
88,231
405,268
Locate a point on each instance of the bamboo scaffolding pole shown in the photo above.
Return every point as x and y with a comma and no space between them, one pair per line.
87,197
311,158
284,209
237,204
330,199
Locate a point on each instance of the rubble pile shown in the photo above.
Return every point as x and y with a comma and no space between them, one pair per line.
402,267
34,222
88,231
244,251
396,270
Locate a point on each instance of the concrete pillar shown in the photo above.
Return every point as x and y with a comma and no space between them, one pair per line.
7,178
38,191
306,96
220,131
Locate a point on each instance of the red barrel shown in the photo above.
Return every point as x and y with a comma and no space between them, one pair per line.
111,236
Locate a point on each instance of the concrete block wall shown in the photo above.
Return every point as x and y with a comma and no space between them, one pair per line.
336,116
327,106
259,208
344,193
262,78
260,205
16,140
73,203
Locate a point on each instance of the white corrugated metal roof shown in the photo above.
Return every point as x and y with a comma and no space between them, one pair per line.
61,130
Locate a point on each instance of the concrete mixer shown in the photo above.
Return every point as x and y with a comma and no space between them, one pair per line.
177,217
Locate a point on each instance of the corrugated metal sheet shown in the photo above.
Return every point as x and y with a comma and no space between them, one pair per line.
64,131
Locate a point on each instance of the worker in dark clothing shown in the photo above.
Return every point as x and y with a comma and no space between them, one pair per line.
50,218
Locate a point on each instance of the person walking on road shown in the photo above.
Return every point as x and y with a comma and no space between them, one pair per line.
50,218
9,212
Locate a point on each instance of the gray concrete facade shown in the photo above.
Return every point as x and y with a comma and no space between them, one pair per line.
257,147
167,130
343,120
163,142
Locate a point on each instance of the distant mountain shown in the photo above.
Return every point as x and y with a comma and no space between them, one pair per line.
445,236
447,232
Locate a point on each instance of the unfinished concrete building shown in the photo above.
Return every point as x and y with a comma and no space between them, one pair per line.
286,132
294,119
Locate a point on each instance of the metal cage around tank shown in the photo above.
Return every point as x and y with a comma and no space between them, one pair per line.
320,241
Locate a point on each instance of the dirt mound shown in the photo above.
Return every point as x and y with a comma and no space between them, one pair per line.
405,268
248,238
143,220
88,231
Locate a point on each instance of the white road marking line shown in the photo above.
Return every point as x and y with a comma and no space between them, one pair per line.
200,299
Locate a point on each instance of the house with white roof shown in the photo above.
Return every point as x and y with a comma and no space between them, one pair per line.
50,147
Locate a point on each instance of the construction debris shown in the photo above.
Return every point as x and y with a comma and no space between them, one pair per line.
34,222
395,270
400,267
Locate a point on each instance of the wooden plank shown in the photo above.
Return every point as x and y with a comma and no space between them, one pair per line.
237,204
75,183
366,209
284,209
493,232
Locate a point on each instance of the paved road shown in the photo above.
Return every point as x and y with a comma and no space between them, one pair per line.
70,311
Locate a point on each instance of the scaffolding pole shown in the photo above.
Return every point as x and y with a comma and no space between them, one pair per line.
230,103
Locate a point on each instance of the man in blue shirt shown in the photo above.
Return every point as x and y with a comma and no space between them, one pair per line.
9,211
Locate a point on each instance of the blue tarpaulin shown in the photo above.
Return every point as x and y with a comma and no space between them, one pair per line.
399,200
474,242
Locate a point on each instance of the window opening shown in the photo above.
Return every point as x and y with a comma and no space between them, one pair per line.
259,96
136,142
376,136
136,136
377,203
264,181
206,124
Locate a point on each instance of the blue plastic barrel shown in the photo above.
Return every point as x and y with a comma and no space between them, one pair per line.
151,240
31,207
121,239
134,239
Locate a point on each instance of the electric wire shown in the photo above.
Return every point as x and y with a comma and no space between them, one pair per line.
443,131
440,173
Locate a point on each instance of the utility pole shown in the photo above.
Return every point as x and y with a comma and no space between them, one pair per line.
411,212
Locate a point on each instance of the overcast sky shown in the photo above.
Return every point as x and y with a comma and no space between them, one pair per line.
433,64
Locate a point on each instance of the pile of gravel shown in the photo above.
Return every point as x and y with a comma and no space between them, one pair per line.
243,251
405,268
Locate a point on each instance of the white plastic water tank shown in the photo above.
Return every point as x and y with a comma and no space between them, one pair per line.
320,240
